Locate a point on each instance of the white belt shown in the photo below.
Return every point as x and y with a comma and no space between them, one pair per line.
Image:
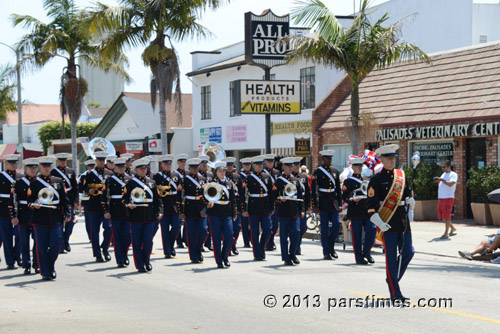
84,197
400,203
5,195
172,193
324,190
68,189
116,196
193,198
258,195
23,202
222,202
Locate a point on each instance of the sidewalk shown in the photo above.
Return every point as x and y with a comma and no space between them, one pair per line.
426,237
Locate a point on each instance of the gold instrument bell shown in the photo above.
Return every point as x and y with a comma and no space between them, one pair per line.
164,190
45,198
138,196
96,186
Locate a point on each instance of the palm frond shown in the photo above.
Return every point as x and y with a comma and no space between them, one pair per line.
315,14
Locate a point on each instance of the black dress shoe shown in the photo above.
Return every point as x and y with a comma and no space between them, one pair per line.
258,258
298,252
369,258
334,254
295,260
53,275
203,250
362,262
27,271
263,255
180,246
220,265
67,247
226,263
121,265
173,252
195,261
107,257
37,270
289,263
11,266
19,263
210,247
62,251
149,267
201,258
142,270
46,278
235,251
127,262
273,246
168,256
327,257
247,246
99,259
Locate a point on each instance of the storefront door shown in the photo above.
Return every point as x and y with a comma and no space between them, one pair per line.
476,157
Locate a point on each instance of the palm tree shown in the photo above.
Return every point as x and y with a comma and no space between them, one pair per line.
66,36
357,50
7,101
153,24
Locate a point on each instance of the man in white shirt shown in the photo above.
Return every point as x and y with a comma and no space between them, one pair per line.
446,197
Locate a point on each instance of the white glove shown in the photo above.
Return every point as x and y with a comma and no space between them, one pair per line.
375,218
411,202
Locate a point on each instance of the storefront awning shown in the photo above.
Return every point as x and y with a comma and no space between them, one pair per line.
6,149
281,151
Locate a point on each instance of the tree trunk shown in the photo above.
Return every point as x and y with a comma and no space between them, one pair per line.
73,145
355,118
163,121
63,132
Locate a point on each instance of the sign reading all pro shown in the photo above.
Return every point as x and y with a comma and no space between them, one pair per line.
267,97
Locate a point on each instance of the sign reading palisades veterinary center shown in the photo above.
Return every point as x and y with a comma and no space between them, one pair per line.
267,97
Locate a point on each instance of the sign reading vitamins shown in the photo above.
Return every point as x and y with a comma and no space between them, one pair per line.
267,97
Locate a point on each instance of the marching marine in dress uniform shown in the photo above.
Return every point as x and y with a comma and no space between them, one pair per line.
274,174
169,187
327,199
259,207
68,175
203,172
246,164
115,211
84,198
388,198
194,211
290,210
358,214
23,216
49,217
144,208
94,186
306,195
128,164
221,214
181,165
240,199
8,178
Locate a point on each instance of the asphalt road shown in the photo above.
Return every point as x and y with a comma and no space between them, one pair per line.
180,297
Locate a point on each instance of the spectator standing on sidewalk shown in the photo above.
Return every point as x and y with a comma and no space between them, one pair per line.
447,185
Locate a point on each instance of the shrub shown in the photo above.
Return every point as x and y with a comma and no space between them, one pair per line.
52,130
424,186
483,181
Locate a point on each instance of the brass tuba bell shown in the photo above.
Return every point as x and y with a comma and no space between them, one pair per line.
214,151
101,144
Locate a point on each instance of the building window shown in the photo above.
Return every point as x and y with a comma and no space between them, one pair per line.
272,77
206,109
307,88
340,159
232,110
433,152
483,39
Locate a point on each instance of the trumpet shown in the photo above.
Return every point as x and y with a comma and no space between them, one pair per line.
164,190
45,198
96,186
290,191
213,192
138,196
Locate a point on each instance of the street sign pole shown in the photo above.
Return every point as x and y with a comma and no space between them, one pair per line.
267,76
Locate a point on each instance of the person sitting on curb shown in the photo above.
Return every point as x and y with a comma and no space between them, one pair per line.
485,246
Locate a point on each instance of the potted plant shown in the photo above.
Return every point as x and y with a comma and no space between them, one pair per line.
425,190
492,182
477,184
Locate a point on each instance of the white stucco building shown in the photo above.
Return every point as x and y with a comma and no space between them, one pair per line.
437,25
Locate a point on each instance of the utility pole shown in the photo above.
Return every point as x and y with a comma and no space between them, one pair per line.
267,76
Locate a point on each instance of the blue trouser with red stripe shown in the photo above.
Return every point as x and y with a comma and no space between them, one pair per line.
236,228
7,236
221,229
357,226
289,228
86,214
121,237
303,230
142,242
156,227
208,241
394,242
95,225
25,232
275,222
196,234
330,226
245,229
170,227
259,241
68,229
48,244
